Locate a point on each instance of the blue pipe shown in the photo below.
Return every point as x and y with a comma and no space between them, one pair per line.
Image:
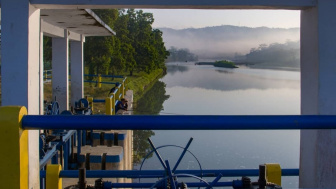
110,185
104,82
161,173
87,81
162,122
66,155
99,100
114,76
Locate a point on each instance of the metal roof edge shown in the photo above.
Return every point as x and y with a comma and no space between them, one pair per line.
96,17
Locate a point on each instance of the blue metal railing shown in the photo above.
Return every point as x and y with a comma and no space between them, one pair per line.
161,173
289,122
110,76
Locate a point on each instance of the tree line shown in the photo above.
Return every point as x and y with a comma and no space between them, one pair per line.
136,46
287,54
181,55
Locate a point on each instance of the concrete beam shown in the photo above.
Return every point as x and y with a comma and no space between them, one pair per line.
20,39
175,4
51,30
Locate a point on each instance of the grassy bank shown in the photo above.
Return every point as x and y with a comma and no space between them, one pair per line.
142,81
139,82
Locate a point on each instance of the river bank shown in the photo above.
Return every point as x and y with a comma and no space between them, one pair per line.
139,82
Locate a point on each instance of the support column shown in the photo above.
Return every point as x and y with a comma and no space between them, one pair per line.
318,89
77,70
20,67
41,100
60,70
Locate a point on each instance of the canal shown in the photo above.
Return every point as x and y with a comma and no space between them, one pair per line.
188,89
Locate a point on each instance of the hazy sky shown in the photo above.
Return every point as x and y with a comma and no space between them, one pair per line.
186,18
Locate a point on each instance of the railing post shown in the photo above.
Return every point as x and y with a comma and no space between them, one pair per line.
99,80
108,106
123,89
14,148
53,180
90,99
113,104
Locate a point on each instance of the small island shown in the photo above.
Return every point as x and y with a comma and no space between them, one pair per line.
220,63
225,64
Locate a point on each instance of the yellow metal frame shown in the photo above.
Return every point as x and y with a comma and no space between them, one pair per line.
14,148
90,100
108,106
273,173
99,81
53,181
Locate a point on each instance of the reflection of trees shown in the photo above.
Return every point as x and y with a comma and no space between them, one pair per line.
172,69
141,146
150,104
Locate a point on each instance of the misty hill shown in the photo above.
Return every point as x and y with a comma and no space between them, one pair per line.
226,41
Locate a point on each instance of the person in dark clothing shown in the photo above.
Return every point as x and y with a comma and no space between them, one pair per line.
121,106
114,88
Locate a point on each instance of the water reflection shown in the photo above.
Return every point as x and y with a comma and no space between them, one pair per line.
152,102
208,77
206,90
173,68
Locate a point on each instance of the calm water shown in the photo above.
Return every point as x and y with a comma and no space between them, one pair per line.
205,90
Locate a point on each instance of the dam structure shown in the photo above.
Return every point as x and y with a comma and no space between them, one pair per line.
24,22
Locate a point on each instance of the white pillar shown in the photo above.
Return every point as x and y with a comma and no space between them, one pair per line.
41,100
77,71
20,37
318,89
60,70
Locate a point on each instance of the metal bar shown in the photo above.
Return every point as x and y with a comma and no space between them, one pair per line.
79,143
66,156
170,174
214,182
84,137
182,155
98,100
161,173
54,159
157,154
49,155
148,185
72,147
114,76
163,122
68,135
105,82
88,81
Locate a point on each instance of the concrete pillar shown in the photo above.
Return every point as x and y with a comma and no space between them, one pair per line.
60,70
41,82
20,37
318,89
77,71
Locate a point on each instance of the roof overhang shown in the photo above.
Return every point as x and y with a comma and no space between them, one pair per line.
78,22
